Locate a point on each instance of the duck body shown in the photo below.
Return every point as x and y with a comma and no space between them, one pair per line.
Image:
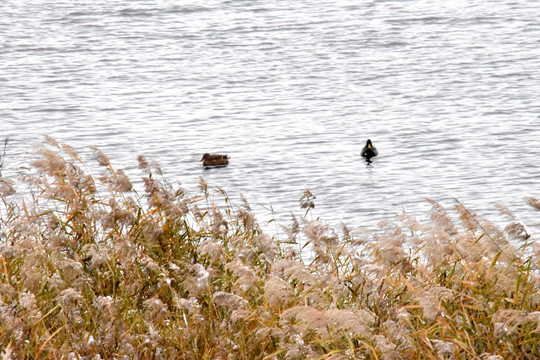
369,150
215,160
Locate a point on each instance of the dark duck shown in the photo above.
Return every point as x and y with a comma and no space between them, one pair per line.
214,160
369,150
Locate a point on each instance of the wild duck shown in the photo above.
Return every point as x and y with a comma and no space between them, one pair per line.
369,150
215,160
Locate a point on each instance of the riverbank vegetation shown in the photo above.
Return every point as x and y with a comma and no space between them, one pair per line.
92,269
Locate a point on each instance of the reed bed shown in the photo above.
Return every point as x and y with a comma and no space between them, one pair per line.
91,269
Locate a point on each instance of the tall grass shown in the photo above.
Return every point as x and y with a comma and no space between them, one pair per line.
90,269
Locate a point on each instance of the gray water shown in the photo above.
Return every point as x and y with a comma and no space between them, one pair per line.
291,90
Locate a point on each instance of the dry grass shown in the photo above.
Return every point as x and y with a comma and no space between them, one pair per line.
90,269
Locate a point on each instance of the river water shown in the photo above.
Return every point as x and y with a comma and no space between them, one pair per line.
291,90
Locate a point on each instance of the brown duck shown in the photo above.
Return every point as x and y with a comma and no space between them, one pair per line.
214,160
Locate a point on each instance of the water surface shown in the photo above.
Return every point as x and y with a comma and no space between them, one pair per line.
447,91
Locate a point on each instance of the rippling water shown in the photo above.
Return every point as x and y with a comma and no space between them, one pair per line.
447,91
